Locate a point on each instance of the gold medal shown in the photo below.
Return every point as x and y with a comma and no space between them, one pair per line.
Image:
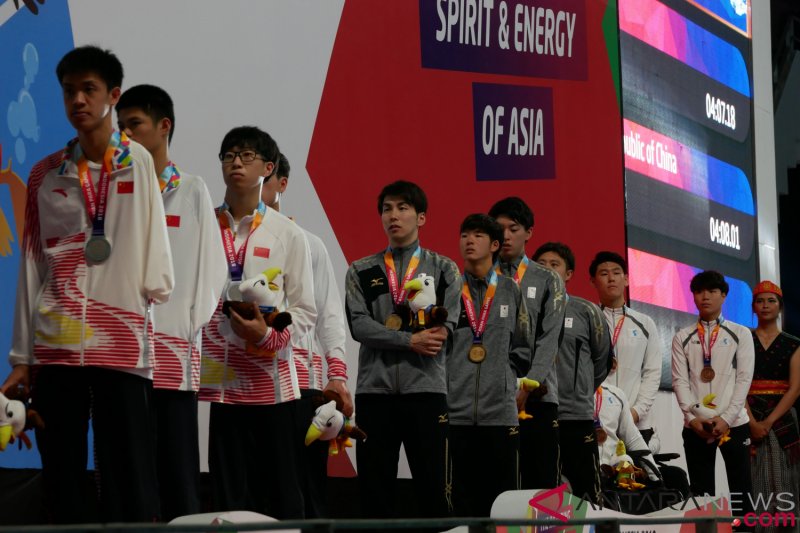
600,434
394,322
707,374
477,353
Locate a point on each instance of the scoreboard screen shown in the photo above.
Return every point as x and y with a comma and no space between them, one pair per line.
686,71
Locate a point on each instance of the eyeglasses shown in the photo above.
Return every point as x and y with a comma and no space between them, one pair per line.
247,156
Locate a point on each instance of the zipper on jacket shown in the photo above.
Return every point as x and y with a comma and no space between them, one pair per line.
578,346
84,305
397,376
477,389
187,373
148,307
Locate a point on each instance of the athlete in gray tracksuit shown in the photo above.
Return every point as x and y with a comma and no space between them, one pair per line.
401,390
543,292
491,352
582,365
484,430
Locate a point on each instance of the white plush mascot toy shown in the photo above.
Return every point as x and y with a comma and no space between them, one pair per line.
330,424
422,302
263,291
708,409
13,417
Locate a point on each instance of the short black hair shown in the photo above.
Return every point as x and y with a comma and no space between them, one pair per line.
708,280
514,208
255,139
411,193
152,100
607,257
487,225
559,248
94,59
283,166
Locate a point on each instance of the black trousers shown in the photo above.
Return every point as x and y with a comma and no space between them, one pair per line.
313,459
420,423
119,405
252,459
580,461
178,452
539,449
485,464
701,458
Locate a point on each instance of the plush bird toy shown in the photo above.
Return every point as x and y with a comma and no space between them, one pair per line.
623,470
708,409
330,424
14,415
528,385
263,291
422,302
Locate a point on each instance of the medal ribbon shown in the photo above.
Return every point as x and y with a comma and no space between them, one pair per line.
398,293
617,330
701,334
96,200
236,257
598,403
170,178
520,273
478,325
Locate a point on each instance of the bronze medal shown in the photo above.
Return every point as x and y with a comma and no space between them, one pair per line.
600,434
394,322
707,374
477,353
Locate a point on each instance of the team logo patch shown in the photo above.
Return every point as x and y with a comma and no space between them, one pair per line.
61,192
260,251
124,187
173,221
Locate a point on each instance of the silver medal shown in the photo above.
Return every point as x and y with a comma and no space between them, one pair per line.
97,250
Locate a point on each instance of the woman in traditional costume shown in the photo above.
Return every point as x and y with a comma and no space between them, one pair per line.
774,431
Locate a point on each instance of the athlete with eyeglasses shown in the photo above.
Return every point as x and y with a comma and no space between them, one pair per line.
248,373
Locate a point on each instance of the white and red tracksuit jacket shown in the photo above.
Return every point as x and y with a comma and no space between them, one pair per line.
71,313
329,336
229,374
200,276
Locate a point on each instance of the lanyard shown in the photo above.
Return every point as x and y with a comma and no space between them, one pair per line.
598,403
236,257
96,200
170,178
701,334
478,325
520,272
398,293
617,330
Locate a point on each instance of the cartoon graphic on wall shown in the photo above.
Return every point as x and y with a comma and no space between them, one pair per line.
16,189
34,35
30,4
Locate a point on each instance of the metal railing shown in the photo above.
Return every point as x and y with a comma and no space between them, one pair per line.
703,524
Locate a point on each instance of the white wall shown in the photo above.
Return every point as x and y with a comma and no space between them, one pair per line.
229,64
